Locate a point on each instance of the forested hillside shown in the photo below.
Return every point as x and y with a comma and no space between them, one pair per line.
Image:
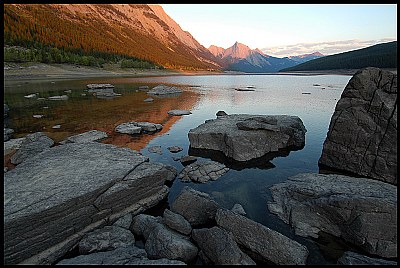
36,27
381,56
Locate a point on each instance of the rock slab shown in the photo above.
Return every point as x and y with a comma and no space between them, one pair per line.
262,240
202,171
360,210
65,191
244,137
362,136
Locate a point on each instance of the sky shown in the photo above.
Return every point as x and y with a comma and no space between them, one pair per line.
288,29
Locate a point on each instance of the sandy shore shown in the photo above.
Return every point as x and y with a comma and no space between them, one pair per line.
34,71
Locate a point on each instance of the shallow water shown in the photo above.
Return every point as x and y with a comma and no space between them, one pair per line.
203,96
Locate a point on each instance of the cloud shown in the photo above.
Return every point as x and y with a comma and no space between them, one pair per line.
326,48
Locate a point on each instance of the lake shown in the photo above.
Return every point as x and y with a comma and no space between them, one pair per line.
311,97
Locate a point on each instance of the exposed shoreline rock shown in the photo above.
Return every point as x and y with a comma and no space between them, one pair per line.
92,135
179,112
245,137
361,211
362,136
164,90
202,171
137,127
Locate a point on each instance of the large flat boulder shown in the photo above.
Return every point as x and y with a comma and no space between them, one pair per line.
52,199
362,136
244,137
362,211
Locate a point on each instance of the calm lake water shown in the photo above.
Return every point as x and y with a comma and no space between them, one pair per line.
203,96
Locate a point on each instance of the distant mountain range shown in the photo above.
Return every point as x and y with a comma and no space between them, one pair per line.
147,33
240,57
380,55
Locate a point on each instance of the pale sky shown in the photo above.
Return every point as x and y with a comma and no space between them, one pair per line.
288,29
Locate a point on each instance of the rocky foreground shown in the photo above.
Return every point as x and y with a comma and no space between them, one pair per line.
87,198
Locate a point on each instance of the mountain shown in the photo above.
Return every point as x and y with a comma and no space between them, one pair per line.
306,57
381,55
137,30
240,57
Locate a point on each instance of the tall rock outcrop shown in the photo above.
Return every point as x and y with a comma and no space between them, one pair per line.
362,136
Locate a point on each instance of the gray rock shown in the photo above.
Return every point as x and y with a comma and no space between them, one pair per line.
244,137
37,115
196,207
220,247
359,210
352,258
262,240
143,224
149,100
121,255
30,96
92,135
237,208
124,222
105,239
163,90
6,110
362,136
96,86
177,222
56,126
162,261
165,243
30,146
137,127
155,149
179,112
7,133
203,171
174,149
62,97
54,198
187,159
12,144
221,113
143,88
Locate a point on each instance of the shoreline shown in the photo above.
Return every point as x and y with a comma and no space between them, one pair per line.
43,71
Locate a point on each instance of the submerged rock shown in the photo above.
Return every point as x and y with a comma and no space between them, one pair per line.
361,211
203,171
362,136
245,137
155,149
92,135
163,90
179,112
174,149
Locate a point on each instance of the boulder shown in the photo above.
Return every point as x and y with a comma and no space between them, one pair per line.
362,211
166,243
220,247
143,224
124,222
96,86
137,127
196,207
179,112
174,149
148,100
221,113
362,136
269,244
155,149
187,159
202,171
30,146
54,198
352,258
12,144
163,90
7,133
176,222
237,208
244,137
105,239
62,97
92,135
